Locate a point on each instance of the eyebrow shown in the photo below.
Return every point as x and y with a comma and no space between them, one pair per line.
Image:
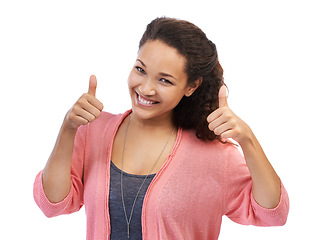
161,73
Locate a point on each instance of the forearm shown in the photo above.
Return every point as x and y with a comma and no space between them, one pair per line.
57,172
266,183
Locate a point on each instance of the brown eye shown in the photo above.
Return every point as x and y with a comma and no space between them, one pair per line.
139,69
165,81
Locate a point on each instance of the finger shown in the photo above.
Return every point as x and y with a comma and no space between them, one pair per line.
90,104
228,134
223,97
92,85
214,115
85,114
93,110
216,123
219,130
95,102
76,120
80,121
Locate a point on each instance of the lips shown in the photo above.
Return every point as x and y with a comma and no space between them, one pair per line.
144,101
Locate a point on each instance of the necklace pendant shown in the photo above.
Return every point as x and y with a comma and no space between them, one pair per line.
128,231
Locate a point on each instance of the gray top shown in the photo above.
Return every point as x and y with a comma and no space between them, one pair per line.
131,185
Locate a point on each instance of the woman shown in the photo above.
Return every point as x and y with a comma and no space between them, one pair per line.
164,169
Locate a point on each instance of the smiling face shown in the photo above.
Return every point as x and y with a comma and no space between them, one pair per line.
157,81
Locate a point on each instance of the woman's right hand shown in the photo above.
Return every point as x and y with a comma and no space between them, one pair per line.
86,109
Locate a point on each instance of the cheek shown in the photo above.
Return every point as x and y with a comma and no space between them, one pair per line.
133,80
174,98
130,80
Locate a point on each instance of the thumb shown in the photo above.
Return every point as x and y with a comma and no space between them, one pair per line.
223,97
92,85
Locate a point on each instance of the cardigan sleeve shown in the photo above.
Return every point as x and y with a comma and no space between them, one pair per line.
74,200
239,203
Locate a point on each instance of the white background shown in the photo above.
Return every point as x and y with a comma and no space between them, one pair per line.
48,50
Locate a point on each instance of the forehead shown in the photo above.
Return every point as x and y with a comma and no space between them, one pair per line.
158,55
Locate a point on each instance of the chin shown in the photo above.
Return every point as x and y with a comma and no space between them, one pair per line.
148,111
148,114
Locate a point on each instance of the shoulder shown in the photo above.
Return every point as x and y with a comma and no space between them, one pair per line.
214,152
106,122
104,118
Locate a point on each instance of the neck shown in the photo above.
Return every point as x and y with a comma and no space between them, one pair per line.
163,123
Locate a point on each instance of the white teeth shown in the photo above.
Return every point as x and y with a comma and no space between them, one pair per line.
144,101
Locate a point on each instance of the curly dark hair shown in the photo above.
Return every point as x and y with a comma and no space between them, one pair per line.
201,64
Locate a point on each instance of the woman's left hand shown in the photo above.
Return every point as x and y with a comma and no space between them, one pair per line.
225,123
266,183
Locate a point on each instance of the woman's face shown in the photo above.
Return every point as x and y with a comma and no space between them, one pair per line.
157,81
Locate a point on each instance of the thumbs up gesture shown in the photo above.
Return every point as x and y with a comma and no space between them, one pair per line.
223,122
87,108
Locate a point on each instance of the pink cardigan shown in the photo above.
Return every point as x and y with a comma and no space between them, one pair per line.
198,184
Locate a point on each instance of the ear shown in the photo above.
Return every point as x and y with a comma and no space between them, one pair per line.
192,88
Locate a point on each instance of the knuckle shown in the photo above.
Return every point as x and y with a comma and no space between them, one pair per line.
82,101
92,118
75,109
97,114
216,131
101,107
83,122
84,95
233,124
71,117
78,103
226,114
83,98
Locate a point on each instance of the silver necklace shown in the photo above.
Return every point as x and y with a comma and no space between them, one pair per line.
128,220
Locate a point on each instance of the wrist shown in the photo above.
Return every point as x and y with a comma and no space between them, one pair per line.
248,139
67,127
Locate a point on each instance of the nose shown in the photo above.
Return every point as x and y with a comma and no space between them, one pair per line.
147,87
